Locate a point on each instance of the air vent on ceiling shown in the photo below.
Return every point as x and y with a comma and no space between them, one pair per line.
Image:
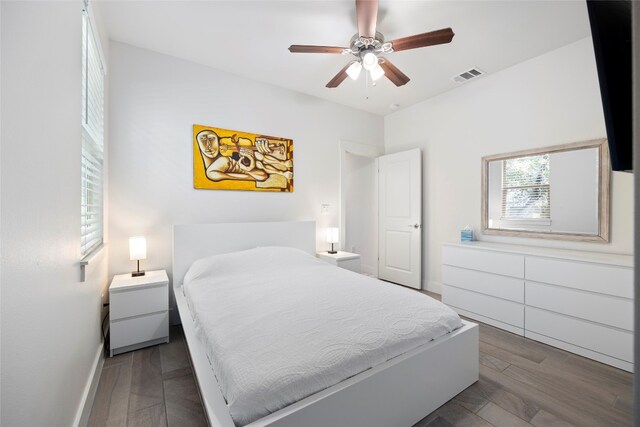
468,75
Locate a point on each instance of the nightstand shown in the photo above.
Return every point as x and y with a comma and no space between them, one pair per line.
138,311
345,260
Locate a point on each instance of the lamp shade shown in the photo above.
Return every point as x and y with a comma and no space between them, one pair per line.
354,70
376,72
369,61
137,248
332,235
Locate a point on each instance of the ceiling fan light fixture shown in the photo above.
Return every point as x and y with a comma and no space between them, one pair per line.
376,72
369,61
354,70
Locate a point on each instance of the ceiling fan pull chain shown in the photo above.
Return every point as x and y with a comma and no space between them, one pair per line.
366,85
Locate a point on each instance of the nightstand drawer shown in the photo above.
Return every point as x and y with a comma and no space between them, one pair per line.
342,259
139,329
350,264
139,301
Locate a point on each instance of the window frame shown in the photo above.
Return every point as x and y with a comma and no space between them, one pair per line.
92,142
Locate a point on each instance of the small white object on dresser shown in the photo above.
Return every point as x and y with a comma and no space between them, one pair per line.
139,311
579,301
345,260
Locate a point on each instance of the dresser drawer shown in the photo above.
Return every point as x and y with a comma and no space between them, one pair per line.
481,260
494,308
598,338
485,283
609,310
139,329
127,303
602,278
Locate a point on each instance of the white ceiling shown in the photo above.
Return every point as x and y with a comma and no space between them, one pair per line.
250,38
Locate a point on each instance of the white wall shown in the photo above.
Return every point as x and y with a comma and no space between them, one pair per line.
50,320
156,99
548,100
361,210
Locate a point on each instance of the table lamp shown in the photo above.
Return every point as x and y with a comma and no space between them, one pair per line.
332,237
137,251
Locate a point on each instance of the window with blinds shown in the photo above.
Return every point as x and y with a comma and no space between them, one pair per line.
525,188
91,228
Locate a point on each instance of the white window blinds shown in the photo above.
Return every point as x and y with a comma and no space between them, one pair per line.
91,228
525,188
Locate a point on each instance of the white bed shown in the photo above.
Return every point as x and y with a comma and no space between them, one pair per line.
389,394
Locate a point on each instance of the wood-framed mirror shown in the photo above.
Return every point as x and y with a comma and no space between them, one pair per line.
559,192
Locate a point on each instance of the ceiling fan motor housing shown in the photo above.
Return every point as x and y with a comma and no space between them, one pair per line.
359,44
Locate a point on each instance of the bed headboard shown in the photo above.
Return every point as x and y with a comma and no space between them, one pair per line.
195,241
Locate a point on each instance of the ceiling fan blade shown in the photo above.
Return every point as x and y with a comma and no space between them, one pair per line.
392,72
303,48
422,40
339,78
367,15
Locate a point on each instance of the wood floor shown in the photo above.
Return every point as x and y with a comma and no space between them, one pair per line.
522,383
153,386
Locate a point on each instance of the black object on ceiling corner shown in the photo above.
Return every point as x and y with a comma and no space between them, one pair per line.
610,22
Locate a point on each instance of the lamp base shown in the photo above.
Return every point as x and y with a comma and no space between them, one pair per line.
137,273
332,252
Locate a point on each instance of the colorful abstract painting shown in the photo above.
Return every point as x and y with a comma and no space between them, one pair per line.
233,160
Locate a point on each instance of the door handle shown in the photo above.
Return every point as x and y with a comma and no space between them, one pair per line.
414,226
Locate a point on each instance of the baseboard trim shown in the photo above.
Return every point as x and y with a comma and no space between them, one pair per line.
89,394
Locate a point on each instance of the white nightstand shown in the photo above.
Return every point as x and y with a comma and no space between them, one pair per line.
139,311
345,260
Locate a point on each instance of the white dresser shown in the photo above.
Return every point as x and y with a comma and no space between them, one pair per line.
138,311
578,301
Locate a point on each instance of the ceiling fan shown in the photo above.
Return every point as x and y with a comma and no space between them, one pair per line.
368,46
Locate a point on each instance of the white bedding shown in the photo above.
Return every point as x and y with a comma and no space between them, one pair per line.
280,325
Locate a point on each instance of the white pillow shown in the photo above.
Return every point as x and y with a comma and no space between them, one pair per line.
248,260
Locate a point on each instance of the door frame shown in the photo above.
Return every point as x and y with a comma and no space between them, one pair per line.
358,149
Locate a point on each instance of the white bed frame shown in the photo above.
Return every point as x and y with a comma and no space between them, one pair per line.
399,392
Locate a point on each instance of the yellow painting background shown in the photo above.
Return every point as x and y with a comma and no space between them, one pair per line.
200,180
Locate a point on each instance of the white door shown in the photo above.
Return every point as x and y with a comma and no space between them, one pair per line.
400,216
